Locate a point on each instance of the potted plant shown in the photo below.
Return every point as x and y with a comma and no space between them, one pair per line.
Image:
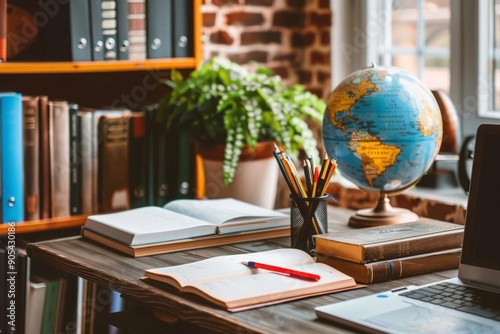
229,105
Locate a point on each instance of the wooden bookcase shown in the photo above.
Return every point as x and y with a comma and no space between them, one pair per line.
94,83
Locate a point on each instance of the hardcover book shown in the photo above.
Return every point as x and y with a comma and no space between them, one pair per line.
138,160
181,219
113,183
44,157
137,29
31,158
382,271
391,241
59,158
226,282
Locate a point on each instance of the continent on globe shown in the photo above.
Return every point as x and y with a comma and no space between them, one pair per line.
375,156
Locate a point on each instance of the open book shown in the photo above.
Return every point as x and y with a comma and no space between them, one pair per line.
183,219
228,283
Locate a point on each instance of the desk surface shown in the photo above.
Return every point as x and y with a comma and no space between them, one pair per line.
122,273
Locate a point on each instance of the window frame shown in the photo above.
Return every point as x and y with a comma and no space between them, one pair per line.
355,28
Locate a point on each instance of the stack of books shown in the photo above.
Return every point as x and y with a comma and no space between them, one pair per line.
185,224
384,253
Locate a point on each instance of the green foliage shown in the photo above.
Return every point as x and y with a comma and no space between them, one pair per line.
225,103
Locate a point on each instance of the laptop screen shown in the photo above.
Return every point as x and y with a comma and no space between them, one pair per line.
482,228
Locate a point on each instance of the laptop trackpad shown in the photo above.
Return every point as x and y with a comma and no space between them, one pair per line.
415,319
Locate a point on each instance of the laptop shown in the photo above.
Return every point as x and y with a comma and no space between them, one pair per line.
452,305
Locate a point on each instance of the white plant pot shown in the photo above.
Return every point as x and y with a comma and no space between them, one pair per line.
255,181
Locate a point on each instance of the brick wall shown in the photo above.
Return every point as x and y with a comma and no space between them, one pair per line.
292,37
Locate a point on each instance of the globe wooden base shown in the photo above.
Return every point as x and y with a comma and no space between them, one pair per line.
382,214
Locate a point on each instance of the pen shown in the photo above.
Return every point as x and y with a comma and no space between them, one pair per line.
290,272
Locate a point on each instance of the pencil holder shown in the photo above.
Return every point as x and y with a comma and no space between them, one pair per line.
308,217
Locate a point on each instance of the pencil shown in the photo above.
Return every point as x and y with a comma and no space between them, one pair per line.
289,272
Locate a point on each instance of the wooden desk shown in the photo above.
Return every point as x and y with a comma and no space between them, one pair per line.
122,273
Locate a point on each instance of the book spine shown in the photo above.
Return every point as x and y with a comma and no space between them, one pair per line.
137,160
384,271
11,158
401,268
60,160
412,247
3,30
75,161
393,249
113,184
85,145
44,141
137,29
4,301
31,158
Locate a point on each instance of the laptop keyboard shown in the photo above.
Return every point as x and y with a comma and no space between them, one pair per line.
462,298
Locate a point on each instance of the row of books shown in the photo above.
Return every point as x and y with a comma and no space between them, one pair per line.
384,253
77,160
93,30
39,299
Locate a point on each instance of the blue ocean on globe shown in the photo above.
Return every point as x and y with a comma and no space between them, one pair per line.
384,127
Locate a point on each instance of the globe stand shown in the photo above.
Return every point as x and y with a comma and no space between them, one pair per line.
382,214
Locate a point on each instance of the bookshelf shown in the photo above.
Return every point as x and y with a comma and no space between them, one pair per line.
89,82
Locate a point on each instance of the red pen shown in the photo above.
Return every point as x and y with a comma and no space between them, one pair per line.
290,272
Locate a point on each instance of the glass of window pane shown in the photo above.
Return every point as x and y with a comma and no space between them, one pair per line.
436,73
494,56
436,15
404,23
407,62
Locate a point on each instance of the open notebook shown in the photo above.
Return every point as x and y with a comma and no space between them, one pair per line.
469,303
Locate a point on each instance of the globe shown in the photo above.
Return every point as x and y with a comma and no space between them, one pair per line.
384,127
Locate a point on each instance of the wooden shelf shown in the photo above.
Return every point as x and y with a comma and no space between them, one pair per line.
96,66
45,225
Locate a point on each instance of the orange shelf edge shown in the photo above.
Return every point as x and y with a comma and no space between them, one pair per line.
44,225
96,66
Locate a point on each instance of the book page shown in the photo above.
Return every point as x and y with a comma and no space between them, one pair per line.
226,211
265,286
147,224
221,267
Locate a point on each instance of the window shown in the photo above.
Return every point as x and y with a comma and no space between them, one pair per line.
451,45
417,38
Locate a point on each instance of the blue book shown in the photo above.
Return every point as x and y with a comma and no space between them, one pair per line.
11,158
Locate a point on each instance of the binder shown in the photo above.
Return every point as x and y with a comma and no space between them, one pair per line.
123,42
80,30
63,36
109,29
96,31
183,35
11,158
159,28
